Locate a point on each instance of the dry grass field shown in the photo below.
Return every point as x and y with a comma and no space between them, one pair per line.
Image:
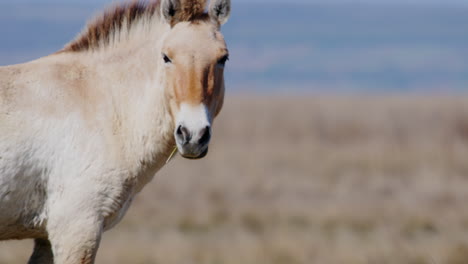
328,180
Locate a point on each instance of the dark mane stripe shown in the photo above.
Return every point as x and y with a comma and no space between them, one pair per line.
101,30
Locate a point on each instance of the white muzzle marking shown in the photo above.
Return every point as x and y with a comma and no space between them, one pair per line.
193,130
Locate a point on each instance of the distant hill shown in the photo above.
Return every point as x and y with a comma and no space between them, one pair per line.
295,47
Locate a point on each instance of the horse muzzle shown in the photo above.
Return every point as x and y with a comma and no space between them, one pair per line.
193,144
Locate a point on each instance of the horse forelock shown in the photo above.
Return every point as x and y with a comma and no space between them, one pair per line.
191,10
122,17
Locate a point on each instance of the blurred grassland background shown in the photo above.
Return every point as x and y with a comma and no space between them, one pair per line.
344,139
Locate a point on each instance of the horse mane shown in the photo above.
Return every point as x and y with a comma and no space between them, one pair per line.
122,18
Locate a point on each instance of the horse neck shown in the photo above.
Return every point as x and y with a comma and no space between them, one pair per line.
130,76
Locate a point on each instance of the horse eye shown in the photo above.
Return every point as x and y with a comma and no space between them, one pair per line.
223,60
166,59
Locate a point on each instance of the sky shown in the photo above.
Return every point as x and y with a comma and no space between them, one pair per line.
419,2
301,47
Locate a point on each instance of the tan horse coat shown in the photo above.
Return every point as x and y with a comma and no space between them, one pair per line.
83,130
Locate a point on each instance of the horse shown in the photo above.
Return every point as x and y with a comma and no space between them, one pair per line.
83,130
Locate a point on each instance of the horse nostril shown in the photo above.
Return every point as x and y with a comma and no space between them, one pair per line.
205,136
183,134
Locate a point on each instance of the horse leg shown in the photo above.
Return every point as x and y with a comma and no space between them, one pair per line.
76,241
42,253
74,227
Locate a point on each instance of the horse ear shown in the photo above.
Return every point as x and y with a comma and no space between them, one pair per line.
169,9
220,10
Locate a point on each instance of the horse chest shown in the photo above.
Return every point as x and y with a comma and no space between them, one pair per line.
114,218
116,204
